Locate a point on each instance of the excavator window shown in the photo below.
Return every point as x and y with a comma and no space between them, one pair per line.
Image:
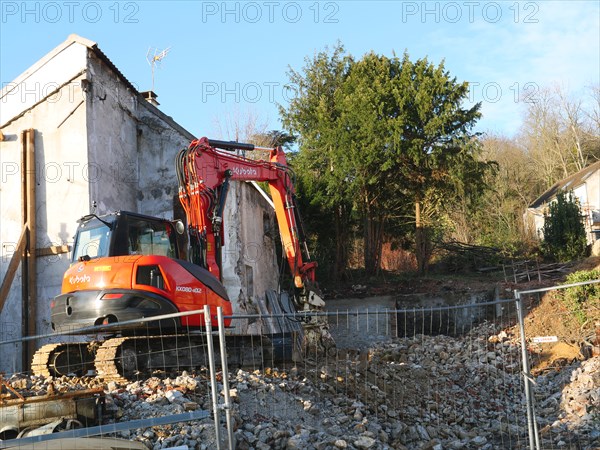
92,241
150,238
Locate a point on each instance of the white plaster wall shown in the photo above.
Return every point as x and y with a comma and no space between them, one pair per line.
231,253
41,79
62,191
258,233
112,140
159,141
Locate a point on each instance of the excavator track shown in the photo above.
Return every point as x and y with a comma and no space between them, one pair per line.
61,359
41,359
124,359
106,360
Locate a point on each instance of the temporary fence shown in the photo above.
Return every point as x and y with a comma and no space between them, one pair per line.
546,405
452,376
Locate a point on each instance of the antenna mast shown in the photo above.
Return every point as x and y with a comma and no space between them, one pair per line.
154,58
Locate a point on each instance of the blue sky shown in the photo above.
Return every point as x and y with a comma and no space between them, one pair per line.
229,59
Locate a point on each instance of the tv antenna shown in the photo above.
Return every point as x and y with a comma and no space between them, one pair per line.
154,58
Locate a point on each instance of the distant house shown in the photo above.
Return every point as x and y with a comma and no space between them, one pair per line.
585,186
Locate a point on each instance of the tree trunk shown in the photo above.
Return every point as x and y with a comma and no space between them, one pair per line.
341,244
422,244
374,223
368,241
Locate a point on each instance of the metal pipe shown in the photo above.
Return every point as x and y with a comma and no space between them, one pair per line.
526,374
108,327
213,376
562,286
296,316
232,145
109,428
225,370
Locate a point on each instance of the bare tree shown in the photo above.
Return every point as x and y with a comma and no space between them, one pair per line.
560,134
240,126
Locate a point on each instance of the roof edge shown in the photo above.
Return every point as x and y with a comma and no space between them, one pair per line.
71,39
548,194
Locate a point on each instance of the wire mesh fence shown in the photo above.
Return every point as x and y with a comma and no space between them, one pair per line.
443,377
152,385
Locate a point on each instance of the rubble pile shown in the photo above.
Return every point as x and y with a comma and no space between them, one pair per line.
427,392
33,386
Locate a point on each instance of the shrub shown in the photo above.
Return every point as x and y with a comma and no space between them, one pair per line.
581,299
564,233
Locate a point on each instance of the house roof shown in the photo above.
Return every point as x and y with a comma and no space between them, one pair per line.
93,46
571,182
71,39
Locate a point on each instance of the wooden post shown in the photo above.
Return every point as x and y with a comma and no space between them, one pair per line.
24,260
29,267
32,222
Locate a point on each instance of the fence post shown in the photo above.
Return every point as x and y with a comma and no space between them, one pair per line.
225,369
531,422
213,377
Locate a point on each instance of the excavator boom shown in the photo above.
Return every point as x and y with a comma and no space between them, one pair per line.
204,176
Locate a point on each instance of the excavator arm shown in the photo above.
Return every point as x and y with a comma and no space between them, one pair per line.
205,170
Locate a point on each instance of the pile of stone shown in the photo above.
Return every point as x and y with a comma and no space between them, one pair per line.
33,386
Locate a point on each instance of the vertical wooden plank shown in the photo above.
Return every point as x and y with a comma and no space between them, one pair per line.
24,260
31,258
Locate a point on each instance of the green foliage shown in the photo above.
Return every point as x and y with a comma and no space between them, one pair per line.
580,299
376,137
564,233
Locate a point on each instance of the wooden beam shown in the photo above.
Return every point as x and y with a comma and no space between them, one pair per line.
12,268
52,250
24,264
29,267
31,259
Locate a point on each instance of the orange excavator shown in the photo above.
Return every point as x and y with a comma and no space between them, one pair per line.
128,268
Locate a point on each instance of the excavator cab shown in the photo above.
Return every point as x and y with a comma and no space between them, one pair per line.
124,233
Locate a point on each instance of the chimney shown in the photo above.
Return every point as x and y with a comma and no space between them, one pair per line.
150,97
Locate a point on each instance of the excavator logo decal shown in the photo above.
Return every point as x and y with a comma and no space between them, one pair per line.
244,172
80,279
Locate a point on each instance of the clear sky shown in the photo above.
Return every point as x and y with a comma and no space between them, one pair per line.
231,58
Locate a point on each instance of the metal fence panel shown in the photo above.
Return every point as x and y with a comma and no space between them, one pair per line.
565,399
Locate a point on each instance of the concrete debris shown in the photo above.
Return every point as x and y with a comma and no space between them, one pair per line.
427,392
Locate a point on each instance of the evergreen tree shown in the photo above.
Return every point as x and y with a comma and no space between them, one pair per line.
564,233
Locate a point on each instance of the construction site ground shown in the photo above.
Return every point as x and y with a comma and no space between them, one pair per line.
349,400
